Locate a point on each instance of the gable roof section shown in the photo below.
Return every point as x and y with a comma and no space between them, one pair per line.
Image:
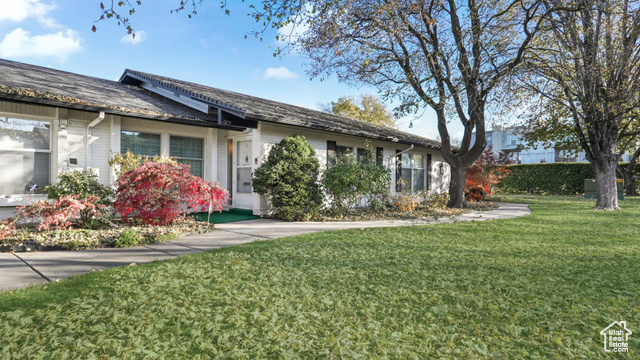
35,84
181,102
255,108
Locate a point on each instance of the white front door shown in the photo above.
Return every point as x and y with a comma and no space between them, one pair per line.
242,173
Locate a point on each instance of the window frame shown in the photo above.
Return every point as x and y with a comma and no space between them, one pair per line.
426,158
160,134
333,151
165,143
51,151
188,158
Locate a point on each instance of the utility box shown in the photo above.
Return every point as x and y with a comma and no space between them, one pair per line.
590,189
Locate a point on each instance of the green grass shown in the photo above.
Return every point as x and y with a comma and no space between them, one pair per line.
540,286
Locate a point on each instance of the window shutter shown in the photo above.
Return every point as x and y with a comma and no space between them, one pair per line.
428,172
398,170
331,151
379,156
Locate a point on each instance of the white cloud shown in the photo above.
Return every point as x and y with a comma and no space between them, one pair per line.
280,73
140,36
290,33
20,43
19,10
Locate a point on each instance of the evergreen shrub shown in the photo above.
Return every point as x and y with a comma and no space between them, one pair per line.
289,179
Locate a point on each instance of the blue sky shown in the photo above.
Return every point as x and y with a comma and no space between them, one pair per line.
210,49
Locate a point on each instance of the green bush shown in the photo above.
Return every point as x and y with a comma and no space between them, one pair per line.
289,179
347,181
551,178
127,238
83,183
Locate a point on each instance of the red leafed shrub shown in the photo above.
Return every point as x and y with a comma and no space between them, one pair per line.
485,173
60,213
6,226
158,193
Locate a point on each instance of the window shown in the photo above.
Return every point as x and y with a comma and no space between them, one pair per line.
364,155
412,173
25,155
489,141
512,140
380,156
188,151
335,151
139,143
341,151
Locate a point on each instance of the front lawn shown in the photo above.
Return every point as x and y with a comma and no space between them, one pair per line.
540,286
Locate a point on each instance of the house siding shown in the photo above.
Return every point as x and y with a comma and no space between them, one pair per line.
271,134
69,143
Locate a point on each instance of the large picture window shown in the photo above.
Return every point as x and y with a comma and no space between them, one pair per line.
139,143
412,172
188,151
25,155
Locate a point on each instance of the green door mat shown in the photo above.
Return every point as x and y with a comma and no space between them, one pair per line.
226,216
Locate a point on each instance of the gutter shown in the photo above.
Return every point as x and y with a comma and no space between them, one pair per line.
95,122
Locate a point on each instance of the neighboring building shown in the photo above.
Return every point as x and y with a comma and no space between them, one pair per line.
53,121
507,139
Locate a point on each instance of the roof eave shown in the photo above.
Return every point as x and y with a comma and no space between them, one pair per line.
108,110
309,125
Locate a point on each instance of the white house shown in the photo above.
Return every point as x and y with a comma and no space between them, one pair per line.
53,121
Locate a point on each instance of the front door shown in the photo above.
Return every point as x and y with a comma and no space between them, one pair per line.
242,172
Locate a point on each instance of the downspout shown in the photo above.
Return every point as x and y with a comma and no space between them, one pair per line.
401,152
95,122
396,155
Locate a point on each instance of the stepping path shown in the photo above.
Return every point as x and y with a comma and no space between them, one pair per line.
24,269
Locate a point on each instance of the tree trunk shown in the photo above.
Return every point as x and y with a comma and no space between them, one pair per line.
606,192
456,186
629,183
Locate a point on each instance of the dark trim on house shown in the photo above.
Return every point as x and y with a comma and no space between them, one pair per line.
398,170
428,172
379,156
331,151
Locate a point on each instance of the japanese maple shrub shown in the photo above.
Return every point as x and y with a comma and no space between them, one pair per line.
289,179
485,173
160,193
62,213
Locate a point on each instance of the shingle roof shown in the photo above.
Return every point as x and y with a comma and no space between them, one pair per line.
35,84
272,111
24,82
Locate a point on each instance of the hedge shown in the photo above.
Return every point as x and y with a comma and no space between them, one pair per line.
551,178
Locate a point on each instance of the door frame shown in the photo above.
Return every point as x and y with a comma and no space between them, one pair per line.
246,200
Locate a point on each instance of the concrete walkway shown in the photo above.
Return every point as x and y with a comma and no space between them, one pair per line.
24,269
